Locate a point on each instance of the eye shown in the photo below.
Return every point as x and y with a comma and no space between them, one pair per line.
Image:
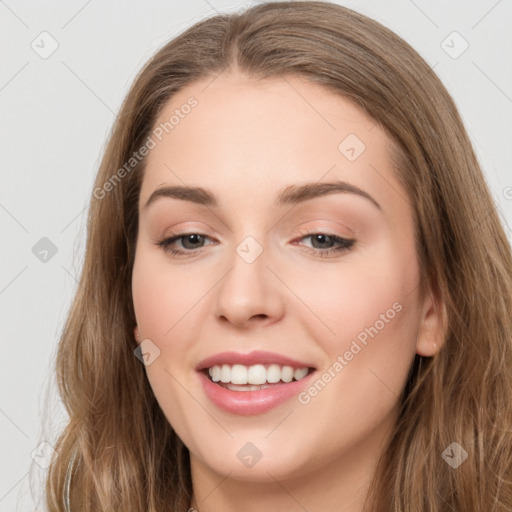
335,244
190,243
193,243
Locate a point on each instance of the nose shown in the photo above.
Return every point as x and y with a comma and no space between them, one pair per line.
250,293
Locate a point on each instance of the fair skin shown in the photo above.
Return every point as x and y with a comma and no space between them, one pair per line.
245,141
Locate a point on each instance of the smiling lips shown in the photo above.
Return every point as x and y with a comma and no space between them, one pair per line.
265,379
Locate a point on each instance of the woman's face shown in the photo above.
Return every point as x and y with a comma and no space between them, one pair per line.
299,255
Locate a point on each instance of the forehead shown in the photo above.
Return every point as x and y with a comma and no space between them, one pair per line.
252,136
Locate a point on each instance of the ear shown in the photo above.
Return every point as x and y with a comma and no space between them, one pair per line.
433,327
137,334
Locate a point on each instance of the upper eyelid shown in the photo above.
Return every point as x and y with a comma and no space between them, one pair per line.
306,233
346,231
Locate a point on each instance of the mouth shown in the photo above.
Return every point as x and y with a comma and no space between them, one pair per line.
238,377
252,383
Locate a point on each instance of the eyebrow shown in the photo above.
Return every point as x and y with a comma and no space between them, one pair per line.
290,195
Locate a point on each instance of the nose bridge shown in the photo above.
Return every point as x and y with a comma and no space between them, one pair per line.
249,288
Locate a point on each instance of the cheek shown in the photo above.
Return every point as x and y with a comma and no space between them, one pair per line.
163,308
170,311
160,296
372,313
362,294
147,299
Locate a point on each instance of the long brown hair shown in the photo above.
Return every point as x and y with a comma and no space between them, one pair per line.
118,451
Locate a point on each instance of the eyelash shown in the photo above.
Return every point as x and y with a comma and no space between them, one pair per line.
345,244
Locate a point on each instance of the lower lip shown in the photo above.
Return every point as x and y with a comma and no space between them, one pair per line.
247,403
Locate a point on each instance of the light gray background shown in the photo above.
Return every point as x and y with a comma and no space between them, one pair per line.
55,116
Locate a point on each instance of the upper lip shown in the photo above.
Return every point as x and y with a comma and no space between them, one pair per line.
250,359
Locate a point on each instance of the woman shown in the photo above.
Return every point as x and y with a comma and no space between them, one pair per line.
262,369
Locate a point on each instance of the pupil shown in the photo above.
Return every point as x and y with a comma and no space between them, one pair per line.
322,238
194,238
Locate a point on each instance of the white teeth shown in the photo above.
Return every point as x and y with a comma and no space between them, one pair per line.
215,373
273,373
239,374
300,373
287,374
225,373
256,375
246,387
